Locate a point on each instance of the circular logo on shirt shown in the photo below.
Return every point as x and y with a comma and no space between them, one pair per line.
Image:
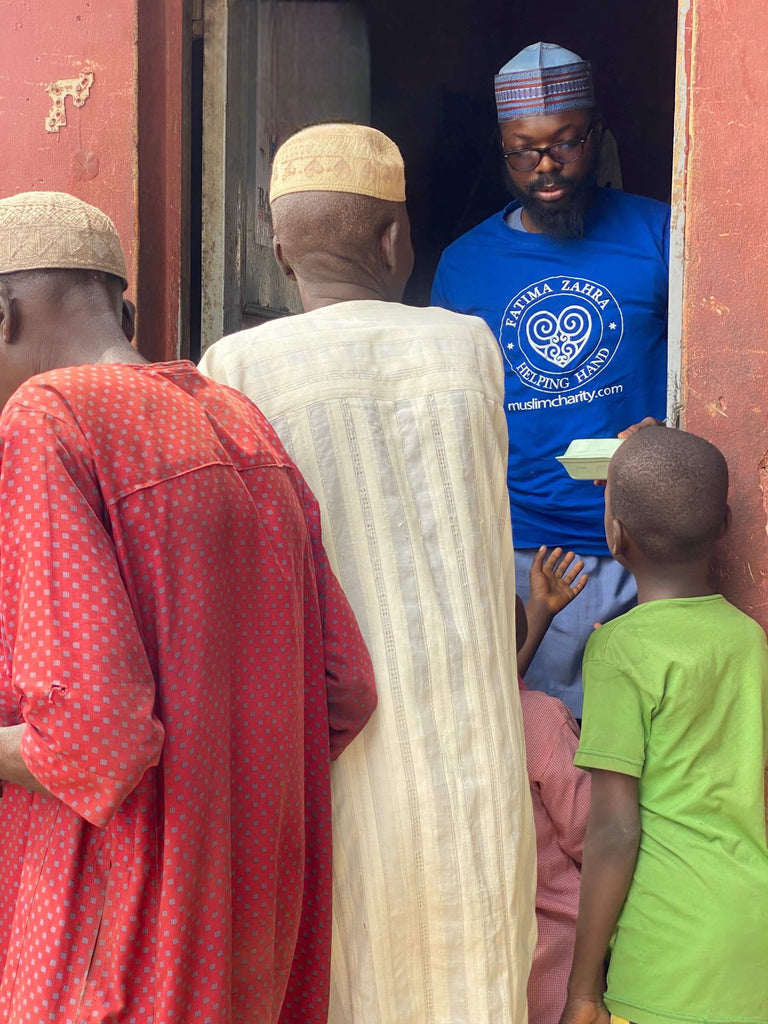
560,333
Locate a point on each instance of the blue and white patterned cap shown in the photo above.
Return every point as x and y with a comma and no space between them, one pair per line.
544,78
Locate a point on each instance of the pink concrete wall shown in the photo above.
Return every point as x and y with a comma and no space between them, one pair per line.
94,155
725,324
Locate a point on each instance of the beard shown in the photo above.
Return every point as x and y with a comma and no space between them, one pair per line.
564,219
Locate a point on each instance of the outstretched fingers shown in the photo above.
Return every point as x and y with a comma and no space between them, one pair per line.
552,559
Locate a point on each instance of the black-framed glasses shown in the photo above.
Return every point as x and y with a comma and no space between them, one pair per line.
566,152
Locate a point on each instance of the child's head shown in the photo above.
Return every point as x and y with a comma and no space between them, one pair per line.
668,491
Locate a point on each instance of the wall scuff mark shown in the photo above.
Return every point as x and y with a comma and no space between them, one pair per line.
85,165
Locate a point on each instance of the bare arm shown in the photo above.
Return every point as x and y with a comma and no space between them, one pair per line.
539,621
12,766
610,852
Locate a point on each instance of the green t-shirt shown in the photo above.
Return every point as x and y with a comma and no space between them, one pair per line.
676,694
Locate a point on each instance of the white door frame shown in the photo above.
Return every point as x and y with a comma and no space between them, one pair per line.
214,243
677,225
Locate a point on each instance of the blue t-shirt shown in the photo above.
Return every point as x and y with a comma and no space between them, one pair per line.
582,324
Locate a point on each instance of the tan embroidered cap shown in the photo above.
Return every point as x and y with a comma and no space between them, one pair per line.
44,230
339,158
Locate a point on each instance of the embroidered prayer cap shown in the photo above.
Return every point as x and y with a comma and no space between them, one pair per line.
339,158
544,78
54,230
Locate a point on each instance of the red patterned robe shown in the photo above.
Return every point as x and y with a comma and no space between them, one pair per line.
186,665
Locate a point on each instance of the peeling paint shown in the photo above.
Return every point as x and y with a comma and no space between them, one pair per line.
721,406
79,89
715,409
763,481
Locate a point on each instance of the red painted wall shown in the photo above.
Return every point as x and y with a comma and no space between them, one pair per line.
94,155
725,324
137,177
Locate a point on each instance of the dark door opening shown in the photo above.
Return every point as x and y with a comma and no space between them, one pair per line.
432,68
423,73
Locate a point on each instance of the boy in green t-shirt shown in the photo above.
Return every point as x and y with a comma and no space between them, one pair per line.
675,733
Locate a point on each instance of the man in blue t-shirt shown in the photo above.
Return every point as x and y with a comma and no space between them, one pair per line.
573,280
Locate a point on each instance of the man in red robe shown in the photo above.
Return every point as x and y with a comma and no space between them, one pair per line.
178,667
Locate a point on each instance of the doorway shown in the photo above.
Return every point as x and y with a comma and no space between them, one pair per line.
425,71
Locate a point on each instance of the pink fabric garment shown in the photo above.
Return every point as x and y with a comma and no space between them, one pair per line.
560,794
186,665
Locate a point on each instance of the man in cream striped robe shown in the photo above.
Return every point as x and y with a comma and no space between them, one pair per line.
394,416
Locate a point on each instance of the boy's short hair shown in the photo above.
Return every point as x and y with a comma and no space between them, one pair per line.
669,489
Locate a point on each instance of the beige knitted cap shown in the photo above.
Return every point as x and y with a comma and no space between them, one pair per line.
339,158
44,230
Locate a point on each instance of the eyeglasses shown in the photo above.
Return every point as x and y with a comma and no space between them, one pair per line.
561,152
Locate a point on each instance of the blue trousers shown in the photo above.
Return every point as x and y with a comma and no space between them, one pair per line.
556,669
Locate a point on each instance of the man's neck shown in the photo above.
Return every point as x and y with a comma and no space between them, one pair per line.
315,296
87,341
121,353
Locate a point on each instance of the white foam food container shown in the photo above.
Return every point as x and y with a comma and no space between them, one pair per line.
587,458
